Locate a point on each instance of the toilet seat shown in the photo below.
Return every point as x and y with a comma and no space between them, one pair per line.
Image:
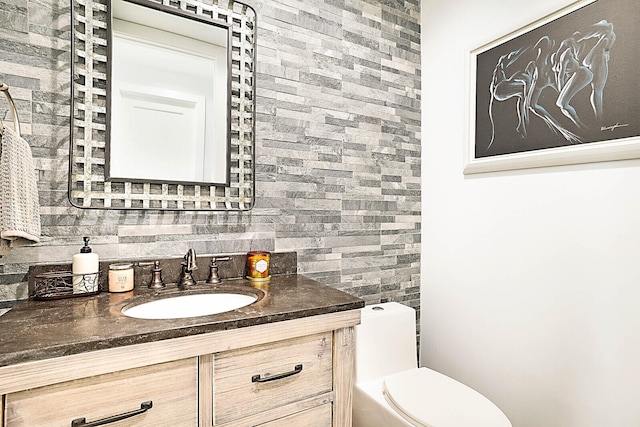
427,398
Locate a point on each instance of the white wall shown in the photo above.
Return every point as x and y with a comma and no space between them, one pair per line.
531,279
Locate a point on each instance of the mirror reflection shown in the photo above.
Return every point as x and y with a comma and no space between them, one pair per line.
169,97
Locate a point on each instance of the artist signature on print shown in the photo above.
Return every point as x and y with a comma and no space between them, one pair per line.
613,127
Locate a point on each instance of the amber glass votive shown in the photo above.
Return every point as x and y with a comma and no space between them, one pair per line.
258,263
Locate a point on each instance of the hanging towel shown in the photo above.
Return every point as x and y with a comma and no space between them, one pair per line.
19,206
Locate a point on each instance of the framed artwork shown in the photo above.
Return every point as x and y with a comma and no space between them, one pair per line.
563,90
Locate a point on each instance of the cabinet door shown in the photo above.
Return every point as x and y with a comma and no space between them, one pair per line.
170,387
257,379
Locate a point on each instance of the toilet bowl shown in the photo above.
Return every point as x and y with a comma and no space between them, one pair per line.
391,391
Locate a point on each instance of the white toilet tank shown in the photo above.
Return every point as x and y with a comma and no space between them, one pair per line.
385,341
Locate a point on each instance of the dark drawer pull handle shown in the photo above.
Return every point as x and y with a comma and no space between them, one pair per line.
82,422
259,379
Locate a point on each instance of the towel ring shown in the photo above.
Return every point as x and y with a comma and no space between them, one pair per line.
12,107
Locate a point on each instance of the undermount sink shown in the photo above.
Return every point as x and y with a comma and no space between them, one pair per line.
193,305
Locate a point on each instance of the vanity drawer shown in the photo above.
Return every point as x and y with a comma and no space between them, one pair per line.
171,387
256,379
319,416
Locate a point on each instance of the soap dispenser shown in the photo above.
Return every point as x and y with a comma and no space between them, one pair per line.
85,269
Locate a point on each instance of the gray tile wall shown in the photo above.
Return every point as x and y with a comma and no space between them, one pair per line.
338,148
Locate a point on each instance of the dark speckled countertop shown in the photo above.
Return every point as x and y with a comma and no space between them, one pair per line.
36,330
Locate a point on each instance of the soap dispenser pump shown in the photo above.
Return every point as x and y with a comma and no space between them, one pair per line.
85,267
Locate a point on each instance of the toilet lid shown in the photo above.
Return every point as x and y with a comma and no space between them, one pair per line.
427,398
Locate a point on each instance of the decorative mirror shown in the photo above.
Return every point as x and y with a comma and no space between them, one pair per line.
163,97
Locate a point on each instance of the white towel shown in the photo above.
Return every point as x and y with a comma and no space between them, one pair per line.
19,206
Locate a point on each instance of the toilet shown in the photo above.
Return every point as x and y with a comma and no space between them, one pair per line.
391,391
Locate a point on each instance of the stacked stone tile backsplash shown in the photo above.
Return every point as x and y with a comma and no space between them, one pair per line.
338,148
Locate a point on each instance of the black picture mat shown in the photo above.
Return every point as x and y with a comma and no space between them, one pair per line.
621,95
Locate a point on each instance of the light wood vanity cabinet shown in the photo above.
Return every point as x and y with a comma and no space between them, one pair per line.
286,374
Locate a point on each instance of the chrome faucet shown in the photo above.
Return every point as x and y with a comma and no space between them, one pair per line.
188,265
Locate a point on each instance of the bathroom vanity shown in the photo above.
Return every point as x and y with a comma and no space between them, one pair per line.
286,360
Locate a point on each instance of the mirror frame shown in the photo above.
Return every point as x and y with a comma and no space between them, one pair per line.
89,186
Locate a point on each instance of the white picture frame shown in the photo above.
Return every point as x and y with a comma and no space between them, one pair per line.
568,143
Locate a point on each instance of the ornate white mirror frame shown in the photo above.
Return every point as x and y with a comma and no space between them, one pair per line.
88,183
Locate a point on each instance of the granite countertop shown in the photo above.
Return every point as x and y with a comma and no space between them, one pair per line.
37,330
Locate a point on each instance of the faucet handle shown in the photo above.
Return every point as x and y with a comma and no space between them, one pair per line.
214,278
156,274
156,277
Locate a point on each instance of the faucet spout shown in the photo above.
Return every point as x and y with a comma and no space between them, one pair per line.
190,258
188,265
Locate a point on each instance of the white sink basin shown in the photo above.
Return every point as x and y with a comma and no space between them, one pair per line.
194,305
